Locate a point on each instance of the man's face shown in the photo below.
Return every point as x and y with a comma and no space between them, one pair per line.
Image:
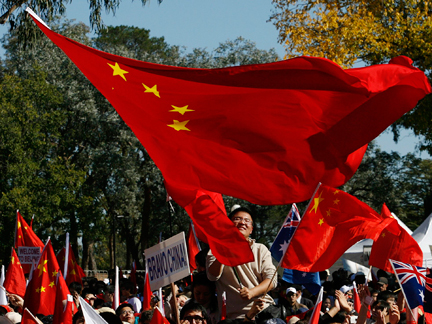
243,221
382,286
127,315
292,298
375,296
193,317
202,294
108,297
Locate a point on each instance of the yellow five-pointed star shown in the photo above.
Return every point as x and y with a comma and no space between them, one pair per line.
336,201
41,267
321,221
118,71
335,192
383,234
328,212
37,290
42,289
51,284
54,273
178,126
25,227
152,90
181,110
19,224
73,272
316,203
13,260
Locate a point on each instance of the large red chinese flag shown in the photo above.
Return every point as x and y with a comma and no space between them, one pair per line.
74,271
394,243
236,130
15,282
24,236
332,223
41,289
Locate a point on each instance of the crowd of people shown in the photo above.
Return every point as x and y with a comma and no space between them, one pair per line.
250,292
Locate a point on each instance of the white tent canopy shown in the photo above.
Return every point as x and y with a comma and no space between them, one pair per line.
423,236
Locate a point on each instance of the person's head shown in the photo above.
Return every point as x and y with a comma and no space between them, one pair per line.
326,305
194,313
382,284
89,296
242,219
200,260
127,288
78,318
110,318
374,294
291,295
203,289
126,313
109,294
145,317
388,296
380,307
75,287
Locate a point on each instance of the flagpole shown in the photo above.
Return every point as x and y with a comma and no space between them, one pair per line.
65,268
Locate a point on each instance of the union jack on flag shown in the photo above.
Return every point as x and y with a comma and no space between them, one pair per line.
281,241
412,280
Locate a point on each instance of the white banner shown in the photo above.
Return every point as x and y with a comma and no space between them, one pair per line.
29,254
167,261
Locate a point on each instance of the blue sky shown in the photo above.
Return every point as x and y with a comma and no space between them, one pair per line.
206,24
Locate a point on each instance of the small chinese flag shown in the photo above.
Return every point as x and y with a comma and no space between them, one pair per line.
193,246
15,282
75,272
158,318
332,223
395,243
63,303
41,289
147,293
28,317
24,236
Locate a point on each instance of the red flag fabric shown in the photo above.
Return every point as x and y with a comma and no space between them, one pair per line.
158,318
235,130
63,307
147,293
15,282
41,289
28,317
394,243
75,272
314,319
207,210
192,247
356,297
332,223
24,236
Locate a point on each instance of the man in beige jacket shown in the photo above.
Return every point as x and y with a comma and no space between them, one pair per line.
253,280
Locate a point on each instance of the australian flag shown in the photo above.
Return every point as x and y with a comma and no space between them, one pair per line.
412,280
281,241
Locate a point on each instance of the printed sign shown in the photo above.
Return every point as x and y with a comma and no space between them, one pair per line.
167,261
29,254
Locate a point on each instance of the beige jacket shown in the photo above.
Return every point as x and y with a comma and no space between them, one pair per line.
251,275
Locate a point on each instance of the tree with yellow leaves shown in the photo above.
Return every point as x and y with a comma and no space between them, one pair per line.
349,31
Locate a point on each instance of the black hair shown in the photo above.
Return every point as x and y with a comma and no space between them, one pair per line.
384,295
77,315
120,308
146,315
111,318
201,256
200,279
381,304
191,307
128,285
86,291
75,286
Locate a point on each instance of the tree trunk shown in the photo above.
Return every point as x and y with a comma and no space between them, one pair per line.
145,225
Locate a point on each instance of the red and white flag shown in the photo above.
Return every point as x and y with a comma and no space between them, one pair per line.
316,312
